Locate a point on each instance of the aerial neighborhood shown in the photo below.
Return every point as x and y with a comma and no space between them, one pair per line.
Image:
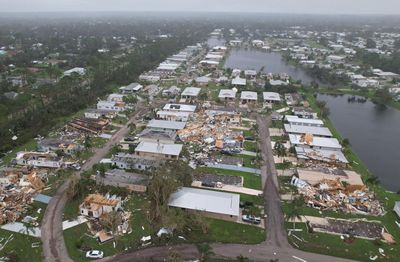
206,143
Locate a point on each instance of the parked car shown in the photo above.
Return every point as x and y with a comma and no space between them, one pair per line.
94,254
251,219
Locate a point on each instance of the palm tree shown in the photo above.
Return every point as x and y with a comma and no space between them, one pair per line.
28,227
294,210
285,165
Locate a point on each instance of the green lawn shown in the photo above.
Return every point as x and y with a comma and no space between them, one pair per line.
386,198
219,231
250,146
359,249
21,246
249,180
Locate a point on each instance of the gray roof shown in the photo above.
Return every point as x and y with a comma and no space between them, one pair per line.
121,176
314,130
191,91
155,134
159,148
165,124
206,200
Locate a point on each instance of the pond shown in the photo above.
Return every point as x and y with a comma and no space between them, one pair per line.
270,62
373,131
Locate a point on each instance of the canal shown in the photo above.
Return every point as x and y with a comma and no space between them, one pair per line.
270,62
373,131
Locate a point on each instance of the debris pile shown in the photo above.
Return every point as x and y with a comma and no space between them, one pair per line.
212,128
335,195
17,188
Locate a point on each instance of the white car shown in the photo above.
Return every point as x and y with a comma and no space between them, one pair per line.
94,254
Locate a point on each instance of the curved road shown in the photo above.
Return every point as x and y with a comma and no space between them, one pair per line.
275,246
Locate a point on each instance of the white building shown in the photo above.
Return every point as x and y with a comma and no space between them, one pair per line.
295,120
211,203
190,93
271,97
111,105
248,97
227,94
180,108
77,70
237,81
314,142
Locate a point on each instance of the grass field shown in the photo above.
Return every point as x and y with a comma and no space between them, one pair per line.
21,247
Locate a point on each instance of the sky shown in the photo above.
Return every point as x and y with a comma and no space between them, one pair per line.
260,6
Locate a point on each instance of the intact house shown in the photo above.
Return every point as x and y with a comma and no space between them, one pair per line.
271,97
396,208
164,125
180,108
134,182
173,116
158,150
227,94
77,70
278,82
295,120
111,105
247,97
116,97
250,74
133,162
39,159
190,93
131,88
215,204
239,82
305,112
66,147
158,136
95,205
202,80
302,130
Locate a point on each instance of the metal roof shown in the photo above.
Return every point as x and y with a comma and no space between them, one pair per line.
206,200
165,124
159,148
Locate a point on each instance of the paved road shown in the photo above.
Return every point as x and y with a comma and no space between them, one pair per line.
54,248
276,234
275,246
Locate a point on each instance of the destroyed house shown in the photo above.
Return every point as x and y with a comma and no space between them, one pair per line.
321,155
158,150
111,105
133,162
95,205
310,141
39,159
87,125
164,125
99,113
67,147
305,112
225,116
132,181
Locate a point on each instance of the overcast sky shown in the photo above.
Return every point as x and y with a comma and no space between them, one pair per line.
267,6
